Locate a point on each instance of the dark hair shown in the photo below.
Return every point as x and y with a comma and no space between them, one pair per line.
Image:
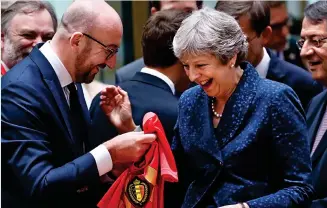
274,4
26,7
158,35
258,12
316,12
157,4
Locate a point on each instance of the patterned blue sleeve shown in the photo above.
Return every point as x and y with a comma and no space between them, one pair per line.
291,154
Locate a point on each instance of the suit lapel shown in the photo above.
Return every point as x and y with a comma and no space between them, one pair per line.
322,146
53,84
314,119
197,129
238,105
314,116
203,128
275,71
86,118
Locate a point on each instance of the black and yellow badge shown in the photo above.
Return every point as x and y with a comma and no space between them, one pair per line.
138,192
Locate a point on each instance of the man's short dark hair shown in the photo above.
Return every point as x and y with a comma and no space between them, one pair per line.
157,4
26,7
158,35
258,12
316,12
274,4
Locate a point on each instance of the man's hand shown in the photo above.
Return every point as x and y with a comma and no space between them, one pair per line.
119,168
117,107
129,147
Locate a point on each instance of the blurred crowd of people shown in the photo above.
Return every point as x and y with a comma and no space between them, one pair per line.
242,101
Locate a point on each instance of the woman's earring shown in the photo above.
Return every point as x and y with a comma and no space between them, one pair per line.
232,66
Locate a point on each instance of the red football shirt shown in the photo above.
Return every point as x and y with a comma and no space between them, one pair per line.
142,184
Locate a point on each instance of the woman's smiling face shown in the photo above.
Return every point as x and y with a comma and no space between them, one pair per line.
206,70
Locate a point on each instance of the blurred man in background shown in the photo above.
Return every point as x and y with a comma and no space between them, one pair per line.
281,41
23,25
254,18
127,72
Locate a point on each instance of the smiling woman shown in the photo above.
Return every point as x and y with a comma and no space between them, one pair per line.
240,140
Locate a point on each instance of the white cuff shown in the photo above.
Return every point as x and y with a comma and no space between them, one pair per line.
103,159
138,129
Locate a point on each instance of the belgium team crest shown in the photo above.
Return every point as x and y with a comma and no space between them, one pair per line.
138,192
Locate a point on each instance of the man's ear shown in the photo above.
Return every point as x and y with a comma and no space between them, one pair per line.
75,40
266,35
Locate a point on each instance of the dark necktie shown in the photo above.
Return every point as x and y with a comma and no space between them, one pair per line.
79,126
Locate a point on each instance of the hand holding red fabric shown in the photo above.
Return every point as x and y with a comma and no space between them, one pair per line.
142,184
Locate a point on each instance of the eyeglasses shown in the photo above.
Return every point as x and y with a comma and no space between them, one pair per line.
315,43
111,52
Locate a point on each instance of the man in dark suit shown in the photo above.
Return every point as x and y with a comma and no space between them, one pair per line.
254,18
313,45
281,41
46,159
127,72
153,88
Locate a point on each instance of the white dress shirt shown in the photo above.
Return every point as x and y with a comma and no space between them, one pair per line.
101,155
160,76
263,66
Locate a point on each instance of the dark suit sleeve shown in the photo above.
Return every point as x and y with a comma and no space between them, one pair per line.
291,156
101,128
118,78
320,203
309,92
27,148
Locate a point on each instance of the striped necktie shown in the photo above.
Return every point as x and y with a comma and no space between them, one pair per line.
321,131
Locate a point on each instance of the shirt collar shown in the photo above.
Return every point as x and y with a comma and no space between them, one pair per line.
263,66
160,76
4,65
60,70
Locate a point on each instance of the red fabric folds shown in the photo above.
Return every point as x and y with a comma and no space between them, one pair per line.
142,184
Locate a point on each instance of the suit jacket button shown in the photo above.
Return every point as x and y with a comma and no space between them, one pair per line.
220,163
